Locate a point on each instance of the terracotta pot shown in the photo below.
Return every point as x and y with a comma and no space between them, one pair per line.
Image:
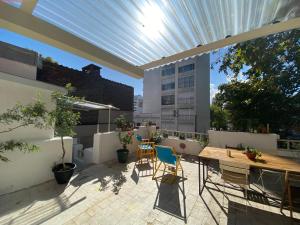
251,156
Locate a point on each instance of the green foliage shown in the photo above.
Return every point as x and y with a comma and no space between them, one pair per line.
63,118
13,145
49,59
126,138
122,123
202,140
254,151
218,117
34,114
156,137
265,82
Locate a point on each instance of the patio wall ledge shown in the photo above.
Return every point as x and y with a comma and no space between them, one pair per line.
106,144
264,142
31,168
192,147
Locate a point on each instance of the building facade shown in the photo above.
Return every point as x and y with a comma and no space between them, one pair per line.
138,104
179,93
88,83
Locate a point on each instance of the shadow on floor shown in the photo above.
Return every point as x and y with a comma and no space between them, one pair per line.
171,196
256,216
141,170
109,175
28,201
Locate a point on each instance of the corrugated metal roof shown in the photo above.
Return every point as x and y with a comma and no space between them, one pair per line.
141,31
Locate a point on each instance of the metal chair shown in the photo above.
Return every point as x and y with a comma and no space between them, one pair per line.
262,172
235,173
291,180
145,149
168,157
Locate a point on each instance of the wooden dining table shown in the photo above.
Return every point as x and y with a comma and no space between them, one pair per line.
266,161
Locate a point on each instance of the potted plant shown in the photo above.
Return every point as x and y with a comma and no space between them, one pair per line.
181,136
156,138
252,153
125,139
34,114
64,119
122,123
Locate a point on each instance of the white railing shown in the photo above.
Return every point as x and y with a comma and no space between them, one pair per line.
286,144
184,134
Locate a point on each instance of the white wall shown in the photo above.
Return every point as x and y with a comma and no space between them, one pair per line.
264,142
193,147
152,91
18,68
106,145
15,90
28,169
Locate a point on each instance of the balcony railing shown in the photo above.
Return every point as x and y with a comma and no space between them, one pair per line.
184,134
288,145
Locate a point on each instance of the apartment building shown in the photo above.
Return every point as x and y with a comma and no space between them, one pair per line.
138,104
179,93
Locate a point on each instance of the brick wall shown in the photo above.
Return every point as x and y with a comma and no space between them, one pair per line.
92,87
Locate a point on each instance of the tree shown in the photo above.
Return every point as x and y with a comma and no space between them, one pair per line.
265,82
218,117
34,114
63,118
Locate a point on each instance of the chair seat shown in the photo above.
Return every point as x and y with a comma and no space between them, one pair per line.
145,147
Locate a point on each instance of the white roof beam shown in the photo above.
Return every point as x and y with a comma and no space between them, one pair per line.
21,22
28,5
263,31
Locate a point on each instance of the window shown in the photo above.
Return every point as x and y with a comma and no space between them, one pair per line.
168,100
168,71
186,100
168,86
186,82
186,68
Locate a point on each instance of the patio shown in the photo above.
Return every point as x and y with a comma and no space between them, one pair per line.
113,193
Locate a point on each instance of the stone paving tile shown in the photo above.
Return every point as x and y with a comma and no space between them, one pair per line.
113,193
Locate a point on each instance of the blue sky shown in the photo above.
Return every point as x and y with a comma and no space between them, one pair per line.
73,61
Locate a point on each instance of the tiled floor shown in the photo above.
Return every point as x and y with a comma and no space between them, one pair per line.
114,193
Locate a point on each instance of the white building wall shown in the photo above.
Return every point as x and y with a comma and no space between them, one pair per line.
202,92
152,91
32,168
18,68
194,116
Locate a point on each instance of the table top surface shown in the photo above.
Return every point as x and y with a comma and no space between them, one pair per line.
266,161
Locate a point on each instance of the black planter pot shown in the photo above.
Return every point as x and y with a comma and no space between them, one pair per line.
61,175
122,155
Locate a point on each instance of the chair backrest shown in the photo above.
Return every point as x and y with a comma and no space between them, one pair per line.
138,138
165,154
293,179
234,172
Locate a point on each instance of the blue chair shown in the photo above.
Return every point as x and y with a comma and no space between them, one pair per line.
139,138
168,157
145,149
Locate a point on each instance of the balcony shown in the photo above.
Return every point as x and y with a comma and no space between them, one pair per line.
132,37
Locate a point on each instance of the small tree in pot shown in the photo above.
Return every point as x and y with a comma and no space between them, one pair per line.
64,119
125,139
34,114
122,123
